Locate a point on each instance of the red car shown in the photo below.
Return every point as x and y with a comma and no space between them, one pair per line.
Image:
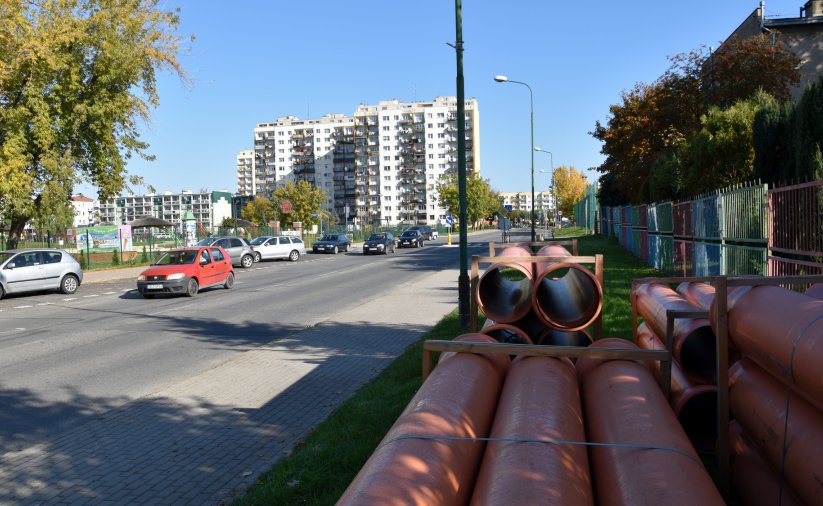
186,271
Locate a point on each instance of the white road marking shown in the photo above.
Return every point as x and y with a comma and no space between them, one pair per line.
109,293
20,307
18,329
93,295
70,298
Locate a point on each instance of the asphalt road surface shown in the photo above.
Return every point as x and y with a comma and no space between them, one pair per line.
66,359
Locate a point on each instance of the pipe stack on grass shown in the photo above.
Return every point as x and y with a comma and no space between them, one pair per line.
540,402
416,463
694,340
699,294
625,408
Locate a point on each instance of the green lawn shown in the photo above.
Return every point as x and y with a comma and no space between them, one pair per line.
321,467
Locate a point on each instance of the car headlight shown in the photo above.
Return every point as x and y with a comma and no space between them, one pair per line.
176,275
141,277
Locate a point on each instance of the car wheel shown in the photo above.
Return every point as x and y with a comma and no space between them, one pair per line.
347,248
69,284
294,255
257,257
247,261
229,281
2,292
193,288
148,295
334,251
365,252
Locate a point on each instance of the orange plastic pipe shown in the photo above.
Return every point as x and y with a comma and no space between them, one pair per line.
554,337
506,333
531,325
767,322
624,406
699,294
457,400
755,482
540,401
758,402
694,341
502,299
567,296
695,405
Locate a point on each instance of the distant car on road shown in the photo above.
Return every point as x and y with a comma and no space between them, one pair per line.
186,271
268,247
411,239
429,233
332,243
239,249
29,270
379,243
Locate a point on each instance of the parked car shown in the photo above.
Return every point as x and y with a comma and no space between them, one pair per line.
411,239
29,270
186,271
428,232
382,242
332,243
269,247
239,249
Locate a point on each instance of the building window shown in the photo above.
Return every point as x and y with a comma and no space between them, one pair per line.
387,198
387,158
387,208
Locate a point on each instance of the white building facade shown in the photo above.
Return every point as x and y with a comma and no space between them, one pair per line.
85,210
380,166
209,208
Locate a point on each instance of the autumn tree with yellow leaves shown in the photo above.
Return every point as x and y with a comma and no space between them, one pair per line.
76,78
570,186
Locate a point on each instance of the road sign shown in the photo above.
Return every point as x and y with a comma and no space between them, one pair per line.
503,211
509,208
449,220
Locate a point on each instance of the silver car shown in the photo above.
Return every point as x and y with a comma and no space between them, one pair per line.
278,246
29,270
239,249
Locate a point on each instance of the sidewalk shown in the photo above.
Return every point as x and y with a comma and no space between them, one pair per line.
206,439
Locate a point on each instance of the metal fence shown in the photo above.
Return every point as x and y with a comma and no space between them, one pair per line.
745,230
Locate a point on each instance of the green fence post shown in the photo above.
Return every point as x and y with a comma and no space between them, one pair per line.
88,249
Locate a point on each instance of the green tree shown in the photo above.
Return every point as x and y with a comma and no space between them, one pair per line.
75,78
770,135
305,200
260,211
228,222
806,135
721,154
481,201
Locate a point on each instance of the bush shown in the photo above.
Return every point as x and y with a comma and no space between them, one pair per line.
115,257
144,257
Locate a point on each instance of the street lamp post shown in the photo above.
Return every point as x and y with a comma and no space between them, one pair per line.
554,187
504,79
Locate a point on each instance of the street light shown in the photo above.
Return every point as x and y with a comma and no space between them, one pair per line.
504,79
554,187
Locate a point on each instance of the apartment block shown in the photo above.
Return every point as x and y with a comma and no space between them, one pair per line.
522,201
380,165
209,208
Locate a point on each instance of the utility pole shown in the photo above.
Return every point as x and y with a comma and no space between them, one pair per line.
463,288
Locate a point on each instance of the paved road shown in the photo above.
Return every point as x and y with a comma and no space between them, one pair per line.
106,397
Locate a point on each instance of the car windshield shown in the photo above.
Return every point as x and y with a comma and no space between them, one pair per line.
4,255
206,242
410,233
259,241
329,238
177,258
377,237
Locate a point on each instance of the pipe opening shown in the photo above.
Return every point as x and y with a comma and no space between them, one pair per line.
567,297
554,337
504,293
698,417
504,335
698,355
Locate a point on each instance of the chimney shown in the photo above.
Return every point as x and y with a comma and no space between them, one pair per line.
813,8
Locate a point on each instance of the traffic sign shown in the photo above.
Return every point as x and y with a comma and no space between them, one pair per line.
449,220
509,207
503,211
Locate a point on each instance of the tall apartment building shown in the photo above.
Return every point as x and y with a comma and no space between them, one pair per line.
522,201
380,166
209,208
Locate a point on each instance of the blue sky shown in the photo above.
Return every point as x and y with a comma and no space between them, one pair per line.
255,60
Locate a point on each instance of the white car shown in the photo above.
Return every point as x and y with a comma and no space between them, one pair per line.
270,247
28,270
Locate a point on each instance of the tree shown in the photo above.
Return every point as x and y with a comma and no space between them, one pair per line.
481,201
75,77
721,154
260,211
305,200
570,186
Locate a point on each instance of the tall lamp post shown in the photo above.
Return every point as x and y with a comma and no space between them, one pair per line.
504,79
554,188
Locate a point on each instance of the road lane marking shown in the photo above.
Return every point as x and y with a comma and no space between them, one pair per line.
92,295
109,293
70,298
21,307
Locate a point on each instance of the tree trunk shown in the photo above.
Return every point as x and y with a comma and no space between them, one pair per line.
15,231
